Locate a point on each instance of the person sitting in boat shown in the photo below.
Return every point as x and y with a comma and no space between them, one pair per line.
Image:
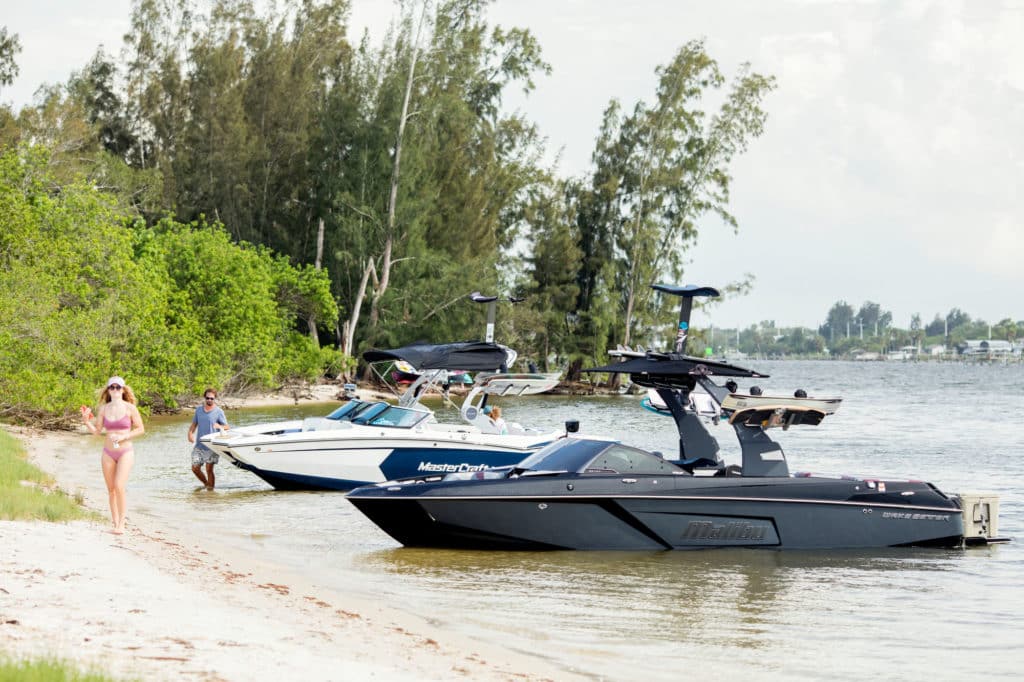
496,420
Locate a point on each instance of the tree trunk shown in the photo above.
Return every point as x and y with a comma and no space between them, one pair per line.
630,299
385,265
350,324
319,259
573,372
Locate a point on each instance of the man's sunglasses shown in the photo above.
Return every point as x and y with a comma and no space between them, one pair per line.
210,397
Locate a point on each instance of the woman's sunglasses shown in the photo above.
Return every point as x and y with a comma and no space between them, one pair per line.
115,387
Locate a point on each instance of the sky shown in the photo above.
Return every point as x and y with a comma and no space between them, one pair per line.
888,171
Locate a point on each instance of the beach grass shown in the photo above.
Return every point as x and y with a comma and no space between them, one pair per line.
26,493
46,670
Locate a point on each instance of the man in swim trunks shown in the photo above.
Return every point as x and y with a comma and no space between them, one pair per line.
208,417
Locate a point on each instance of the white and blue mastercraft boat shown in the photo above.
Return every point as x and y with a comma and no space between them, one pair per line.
370,441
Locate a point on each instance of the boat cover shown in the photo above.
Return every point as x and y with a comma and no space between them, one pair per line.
467,355
666,366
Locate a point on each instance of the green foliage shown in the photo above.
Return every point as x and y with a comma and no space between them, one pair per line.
234,100
464,171
46,670
9,47
552,290
871,329
225,312
658,170
65,270
28,493
173,307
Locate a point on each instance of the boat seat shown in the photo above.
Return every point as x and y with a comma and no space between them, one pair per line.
700,463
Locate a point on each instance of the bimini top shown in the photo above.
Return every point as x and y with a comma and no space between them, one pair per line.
669,370
468,355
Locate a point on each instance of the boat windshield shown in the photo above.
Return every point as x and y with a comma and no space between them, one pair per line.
581,455
348,411
398,417
622,459
565,454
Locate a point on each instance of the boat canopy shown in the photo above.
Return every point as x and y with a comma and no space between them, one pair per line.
467,355
673,369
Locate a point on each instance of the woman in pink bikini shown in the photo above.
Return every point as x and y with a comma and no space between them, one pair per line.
119,419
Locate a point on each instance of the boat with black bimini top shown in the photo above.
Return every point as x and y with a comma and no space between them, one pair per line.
368,441
590,493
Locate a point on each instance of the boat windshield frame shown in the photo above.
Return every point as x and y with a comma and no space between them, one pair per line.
349,411
393,417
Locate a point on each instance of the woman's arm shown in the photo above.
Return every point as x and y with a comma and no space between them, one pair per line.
87,417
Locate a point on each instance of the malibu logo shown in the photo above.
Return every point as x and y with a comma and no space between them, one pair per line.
733,530
432,468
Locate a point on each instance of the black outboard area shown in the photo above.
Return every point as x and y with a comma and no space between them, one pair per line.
595,493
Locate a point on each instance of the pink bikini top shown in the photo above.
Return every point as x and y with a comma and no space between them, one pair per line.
121,424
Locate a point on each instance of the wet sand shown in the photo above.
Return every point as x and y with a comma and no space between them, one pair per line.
155,605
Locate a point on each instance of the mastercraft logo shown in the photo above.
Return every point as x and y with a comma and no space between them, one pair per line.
432,468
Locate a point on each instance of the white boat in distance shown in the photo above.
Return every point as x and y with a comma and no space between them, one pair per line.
371,441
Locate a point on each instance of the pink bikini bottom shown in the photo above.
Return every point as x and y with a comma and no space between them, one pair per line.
116,454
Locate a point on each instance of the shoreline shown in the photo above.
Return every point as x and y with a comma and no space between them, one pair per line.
157,604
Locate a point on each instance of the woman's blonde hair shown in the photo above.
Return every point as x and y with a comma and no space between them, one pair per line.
495,412
128,396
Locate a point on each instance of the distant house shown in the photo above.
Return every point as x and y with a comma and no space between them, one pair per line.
904,353
986,348
936,350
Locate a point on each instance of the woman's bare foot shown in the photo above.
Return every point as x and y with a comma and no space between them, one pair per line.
117,531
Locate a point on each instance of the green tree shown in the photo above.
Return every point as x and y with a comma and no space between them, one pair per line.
872,319
67,282
667,165
430,177
957,318
233,102
838,324
1005,329
554,263
83,295
10,46
936,327
917,333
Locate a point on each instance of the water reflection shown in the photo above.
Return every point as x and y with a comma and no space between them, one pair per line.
734,597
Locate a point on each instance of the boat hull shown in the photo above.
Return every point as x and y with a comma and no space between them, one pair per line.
311,461
787,514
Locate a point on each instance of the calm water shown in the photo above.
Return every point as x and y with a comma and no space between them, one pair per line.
722,614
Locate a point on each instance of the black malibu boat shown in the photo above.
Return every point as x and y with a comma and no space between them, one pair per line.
599,494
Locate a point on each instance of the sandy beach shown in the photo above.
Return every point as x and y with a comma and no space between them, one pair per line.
155,605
